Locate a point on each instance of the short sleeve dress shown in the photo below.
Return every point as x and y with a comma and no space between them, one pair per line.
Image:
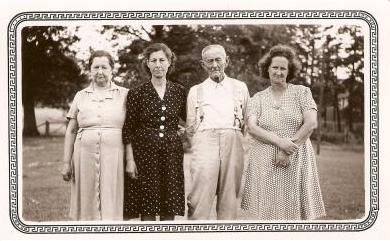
275,193
151,126
97,188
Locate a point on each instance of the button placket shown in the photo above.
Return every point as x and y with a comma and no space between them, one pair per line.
98,172
162,118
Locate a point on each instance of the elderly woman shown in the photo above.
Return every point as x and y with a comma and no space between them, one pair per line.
154,151
282,179
94,139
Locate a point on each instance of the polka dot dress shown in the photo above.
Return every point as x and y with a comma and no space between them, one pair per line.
151,126
275,193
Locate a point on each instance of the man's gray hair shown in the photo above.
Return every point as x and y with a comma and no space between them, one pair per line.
217,46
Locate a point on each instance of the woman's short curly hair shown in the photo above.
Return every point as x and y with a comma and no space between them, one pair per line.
294,66
101,53
155,48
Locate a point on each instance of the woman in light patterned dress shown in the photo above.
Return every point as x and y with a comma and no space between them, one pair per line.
282,180
93,149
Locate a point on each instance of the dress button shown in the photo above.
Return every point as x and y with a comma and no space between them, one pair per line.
162,127
163,108
99,116
162,118
161,134
98,133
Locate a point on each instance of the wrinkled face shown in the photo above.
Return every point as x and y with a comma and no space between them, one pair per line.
278,70
214,61
158,64
101,71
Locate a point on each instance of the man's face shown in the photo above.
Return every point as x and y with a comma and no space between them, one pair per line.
214,61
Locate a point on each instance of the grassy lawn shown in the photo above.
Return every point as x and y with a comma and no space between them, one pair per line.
46,196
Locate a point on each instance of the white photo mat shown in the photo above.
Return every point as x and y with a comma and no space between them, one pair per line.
63,18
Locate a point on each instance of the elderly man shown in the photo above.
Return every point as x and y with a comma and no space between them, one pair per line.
215,118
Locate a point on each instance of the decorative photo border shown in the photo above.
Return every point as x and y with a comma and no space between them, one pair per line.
193,227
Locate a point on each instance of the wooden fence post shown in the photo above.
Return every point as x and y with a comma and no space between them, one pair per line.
47,128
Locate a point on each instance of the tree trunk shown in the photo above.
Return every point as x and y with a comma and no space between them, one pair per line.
337,111
320,111
28,101
30,124
158,37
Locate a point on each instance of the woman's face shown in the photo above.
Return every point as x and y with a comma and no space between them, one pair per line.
278,70
101,71
158,64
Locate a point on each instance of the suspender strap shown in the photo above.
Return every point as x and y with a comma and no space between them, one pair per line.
237,102
238,106
200,99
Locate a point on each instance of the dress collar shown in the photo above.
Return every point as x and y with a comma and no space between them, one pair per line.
91,88
167,89
108,93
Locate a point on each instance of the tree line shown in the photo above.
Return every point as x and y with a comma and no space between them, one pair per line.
332,60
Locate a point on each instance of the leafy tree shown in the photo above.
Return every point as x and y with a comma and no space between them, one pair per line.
50,71
321,62
50,76
354,83
245,44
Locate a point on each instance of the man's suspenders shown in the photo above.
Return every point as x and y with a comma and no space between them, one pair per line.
238,107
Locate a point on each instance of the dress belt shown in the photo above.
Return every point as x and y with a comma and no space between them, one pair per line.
81,129
158,130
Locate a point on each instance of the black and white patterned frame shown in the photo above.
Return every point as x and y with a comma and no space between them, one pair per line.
194,226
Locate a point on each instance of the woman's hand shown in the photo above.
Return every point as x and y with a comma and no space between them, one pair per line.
67,172
131,169
287,145
282,159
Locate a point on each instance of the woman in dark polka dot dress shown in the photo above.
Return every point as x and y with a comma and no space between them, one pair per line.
154,153
282,180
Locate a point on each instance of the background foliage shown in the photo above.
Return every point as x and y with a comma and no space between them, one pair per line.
332,62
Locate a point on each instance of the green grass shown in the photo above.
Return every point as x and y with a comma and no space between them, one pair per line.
342,182
46,196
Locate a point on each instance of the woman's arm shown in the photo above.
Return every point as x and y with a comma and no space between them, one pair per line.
131,167
300,137
70,136
130,126
269,137
309,124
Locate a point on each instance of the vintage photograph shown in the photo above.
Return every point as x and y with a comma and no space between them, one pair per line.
194,123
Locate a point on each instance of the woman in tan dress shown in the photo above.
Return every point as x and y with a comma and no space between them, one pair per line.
93,150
